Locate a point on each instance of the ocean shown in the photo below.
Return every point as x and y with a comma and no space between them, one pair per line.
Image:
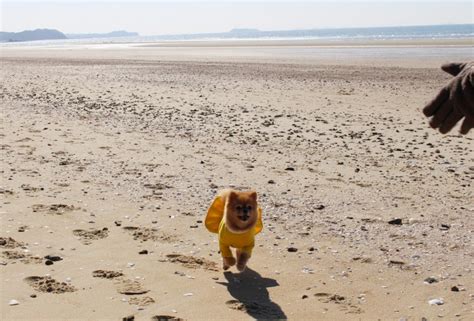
437,32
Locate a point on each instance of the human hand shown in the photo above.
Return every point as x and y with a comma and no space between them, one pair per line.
454,101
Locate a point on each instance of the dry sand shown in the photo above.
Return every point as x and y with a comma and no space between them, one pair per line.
109,164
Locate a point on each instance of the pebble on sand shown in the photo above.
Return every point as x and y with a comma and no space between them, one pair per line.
430,280
13,302
396,221
444,227
439,301
54,258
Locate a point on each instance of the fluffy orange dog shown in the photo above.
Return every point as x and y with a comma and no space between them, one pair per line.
236,218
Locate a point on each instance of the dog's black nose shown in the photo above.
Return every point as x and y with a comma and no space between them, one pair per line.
244,217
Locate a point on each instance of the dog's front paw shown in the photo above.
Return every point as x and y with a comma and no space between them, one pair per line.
242,261
228,262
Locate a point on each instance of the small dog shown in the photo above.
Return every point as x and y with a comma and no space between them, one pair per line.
236,217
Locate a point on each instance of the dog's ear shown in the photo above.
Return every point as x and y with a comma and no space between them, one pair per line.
253,195
232,195
215,213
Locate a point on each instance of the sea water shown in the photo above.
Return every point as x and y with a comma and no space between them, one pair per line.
435,32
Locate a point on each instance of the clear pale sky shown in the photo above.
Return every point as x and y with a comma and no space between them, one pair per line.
173,17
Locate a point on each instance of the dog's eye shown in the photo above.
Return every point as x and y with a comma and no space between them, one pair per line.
249,207
238,208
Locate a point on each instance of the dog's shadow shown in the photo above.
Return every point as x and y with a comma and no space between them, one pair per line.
250,291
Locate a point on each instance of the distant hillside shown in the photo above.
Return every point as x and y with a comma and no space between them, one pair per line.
29,35
113,34
401,32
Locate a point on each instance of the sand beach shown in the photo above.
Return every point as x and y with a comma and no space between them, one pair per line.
111,155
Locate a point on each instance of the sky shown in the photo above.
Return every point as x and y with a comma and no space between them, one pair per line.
149,17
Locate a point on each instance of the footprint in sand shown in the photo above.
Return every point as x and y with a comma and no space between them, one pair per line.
4,191
23,140
344,303
29,188
124,286
48,285
87,236
129,287
236,305
141,301
254,308
192,262
22,257
57,209
9,243
106,274
144,234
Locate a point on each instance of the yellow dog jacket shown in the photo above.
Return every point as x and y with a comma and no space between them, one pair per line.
215,223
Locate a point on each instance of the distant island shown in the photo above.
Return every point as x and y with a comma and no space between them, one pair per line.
52,34
397,32
113,34
454,31
29,35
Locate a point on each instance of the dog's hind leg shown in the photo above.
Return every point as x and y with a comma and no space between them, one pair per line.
242,259
227,258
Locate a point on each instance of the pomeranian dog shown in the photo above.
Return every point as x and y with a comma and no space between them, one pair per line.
236,218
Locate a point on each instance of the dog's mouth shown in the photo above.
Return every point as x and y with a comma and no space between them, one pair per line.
244,217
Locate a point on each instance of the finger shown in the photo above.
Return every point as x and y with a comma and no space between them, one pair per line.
436,103
467,125
467,107
450,122
456,99
460,96
441,114
453,68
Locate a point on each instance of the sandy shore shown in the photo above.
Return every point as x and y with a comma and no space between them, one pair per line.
110,158
383,53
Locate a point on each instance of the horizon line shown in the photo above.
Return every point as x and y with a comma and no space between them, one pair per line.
249,28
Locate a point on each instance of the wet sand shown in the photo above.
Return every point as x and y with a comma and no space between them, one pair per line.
421,53
110,158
